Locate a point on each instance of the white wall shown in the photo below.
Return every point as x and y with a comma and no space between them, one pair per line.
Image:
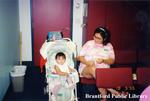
25,29
78,12
25,26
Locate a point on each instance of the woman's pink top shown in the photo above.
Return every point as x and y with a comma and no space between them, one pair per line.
91,51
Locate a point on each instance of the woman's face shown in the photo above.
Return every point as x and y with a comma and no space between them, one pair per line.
98,38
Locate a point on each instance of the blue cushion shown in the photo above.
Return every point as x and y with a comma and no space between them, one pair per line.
55,35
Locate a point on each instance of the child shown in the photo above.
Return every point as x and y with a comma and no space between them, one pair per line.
61,68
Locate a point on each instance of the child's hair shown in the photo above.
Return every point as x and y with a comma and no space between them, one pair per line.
59,54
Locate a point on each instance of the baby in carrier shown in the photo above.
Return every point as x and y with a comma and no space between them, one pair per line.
61,76
61,68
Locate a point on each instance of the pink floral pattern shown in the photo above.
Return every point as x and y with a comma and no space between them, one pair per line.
91,51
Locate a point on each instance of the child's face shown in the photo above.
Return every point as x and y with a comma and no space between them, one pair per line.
60,60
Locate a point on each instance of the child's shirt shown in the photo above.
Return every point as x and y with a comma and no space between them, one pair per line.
63,68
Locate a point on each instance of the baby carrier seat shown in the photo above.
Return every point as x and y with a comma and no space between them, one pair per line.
54,81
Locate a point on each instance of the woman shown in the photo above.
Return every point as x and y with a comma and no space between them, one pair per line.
97,53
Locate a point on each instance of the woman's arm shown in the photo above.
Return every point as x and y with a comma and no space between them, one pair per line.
111,55
59,72
84,61
107,61
111,58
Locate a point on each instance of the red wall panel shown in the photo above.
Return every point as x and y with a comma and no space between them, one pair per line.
120,18
49,15
96,16
114,22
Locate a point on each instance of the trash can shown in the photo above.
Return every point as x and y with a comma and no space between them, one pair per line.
17,77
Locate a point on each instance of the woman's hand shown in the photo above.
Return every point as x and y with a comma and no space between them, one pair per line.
90,63
99,60
107,61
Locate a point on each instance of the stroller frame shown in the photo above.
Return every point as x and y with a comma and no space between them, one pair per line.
50,75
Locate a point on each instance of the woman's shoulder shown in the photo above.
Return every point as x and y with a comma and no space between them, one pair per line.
109,45
90,42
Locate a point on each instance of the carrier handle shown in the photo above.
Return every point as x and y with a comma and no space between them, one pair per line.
68,39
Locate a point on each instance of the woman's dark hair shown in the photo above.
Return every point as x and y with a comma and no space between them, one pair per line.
104,32
59,54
